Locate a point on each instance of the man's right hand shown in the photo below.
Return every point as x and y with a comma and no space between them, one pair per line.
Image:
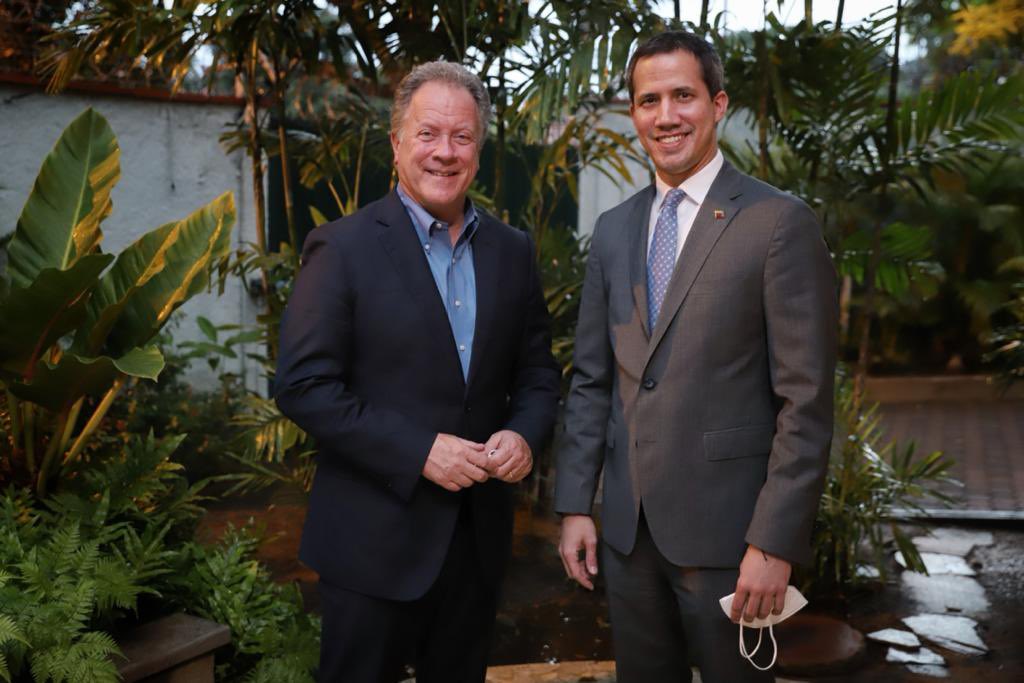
455,463
579,533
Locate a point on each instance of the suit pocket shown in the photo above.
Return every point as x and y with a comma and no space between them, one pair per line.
740,442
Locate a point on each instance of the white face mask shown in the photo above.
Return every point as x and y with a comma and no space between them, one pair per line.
795,601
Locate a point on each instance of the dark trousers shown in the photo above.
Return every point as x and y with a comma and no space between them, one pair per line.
666,619
445,634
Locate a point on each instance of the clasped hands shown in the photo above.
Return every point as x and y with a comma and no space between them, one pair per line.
455,463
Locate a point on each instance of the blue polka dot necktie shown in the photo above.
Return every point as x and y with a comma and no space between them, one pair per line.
661,261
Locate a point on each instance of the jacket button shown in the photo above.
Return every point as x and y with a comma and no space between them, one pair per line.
468,409
649,383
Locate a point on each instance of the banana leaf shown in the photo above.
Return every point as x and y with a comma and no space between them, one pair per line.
153,276
71,196
56,387
53,305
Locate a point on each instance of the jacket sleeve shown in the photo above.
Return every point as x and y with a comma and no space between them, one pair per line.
312,371
801,321
533,398
588,406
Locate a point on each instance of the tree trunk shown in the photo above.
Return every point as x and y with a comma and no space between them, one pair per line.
286,181
256,154
280,86
500,207
760,46
888,149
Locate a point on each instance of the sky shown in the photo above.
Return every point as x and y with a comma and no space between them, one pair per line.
748,14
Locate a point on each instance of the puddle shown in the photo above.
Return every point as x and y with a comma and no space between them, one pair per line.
929,670
954,633
945,593
939,563
866,571
953,541
895,636
922,656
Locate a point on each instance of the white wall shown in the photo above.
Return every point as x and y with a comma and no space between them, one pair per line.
171,164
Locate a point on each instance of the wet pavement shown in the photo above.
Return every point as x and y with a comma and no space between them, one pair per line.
986,440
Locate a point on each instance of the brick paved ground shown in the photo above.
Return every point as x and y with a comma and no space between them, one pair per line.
986,438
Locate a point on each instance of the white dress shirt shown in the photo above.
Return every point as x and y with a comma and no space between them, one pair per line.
696,188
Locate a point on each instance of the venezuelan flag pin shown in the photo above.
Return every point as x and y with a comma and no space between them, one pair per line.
719,214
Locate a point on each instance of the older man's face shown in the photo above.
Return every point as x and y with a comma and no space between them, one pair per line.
437,150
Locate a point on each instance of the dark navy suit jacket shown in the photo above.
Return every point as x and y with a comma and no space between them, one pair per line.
368,367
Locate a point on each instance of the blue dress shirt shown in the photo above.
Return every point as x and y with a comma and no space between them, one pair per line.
452,268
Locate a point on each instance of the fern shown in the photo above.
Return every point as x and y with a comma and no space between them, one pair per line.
272,638
88,659
9,631
76,563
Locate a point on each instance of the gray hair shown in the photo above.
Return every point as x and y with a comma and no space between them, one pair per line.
448,73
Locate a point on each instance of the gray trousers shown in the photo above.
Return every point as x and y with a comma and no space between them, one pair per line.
666,619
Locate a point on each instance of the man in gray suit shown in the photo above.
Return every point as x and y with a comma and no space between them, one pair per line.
702,387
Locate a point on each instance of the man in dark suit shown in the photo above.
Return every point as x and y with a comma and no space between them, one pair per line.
415,349
702,388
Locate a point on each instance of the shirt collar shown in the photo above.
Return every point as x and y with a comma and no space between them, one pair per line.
424,221
696,186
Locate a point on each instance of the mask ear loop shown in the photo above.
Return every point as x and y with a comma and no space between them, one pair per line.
749,656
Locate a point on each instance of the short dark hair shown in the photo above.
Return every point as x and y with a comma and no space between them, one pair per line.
671,41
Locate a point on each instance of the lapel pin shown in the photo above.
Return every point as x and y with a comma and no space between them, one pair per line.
719,214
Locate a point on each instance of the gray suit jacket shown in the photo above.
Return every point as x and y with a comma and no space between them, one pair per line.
720,418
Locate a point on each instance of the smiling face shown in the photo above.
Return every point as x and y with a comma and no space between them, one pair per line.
437,148
674,114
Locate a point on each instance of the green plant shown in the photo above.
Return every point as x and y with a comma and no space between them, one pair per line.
836,126
273,638
78,322
213,348
76,564
867,485
1007,341
115,548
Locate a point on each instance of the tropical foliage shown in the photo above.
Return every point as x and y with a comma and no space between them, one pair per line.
115,548
913,168
79,322
96,523
870,488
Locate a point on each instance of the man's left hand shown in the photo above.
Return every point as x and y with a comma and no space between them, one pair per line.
761,587
508,456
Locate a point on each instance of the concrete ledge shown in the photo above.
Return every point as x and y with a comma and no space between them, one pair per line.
174,649
934,388
960,514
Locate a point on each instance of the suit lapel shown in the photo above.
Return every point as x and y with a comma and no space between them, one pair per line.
486,267
398,237
715,214
640,217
